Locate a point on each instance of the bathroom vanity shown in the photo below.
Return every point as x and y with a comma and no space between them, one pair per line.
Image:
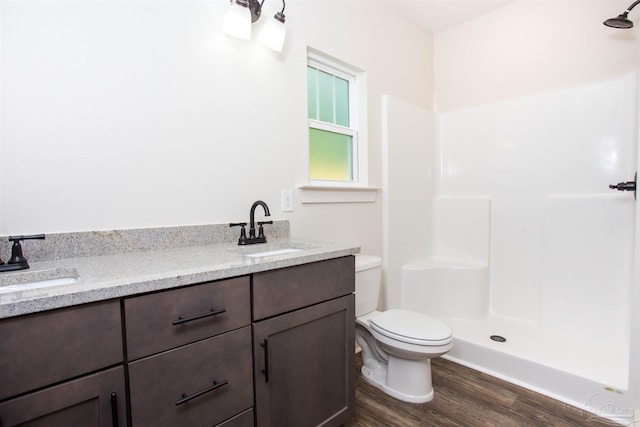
261,341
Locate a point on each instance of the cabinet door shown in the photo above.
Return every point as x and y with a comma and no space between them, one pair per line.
93,401
303,366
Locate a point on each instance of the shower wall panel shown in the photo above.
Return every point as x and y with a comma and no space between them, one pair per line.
572,142
408,174
588,267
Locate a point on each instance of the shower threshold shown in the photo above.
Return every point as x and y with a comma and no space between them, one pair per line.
589,375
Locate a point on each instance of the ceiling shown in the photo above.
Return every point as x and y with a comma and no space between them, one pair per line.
440,15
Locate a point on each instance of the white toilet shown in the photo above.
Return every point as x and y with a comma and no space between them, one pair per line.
397,345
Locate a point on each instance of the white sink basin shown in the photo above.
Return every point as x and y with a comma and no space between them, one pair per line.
37,280
273,252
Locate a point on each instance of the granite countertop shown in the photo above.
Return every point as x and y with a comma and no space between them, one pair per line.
118,275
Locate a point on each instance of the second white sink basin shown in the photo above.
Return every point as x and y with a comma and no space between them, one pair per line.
273,252
29,280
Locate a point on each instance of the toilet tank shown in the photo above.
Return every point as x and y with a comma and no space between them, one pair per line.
368,281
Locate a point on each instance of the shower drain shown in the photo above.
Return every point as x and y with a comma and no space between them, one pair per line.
498,338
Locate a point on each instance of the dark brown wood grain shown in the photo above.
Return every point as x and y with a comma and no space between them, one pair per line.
149,318
244,419
465,397
83,402
44,348
309,361
286,289
158,382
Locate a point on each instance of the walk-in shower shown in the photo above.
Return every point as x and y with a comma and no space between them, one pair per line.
531,254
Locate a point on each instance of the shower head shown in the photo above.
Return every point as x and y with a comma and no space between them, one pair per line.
621,21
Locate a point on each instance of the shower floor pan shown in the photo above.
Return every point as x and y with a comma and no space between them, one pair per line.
589,375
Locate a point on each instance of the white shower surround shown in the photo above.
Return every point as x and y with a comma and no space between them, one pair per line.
561,242
546,162
561,246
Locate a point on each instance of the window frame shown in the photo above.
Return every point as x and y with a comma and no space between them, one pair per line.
357,119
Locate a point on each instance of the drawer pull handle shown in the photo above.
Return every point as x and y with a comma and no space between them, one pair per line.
186,398
180,320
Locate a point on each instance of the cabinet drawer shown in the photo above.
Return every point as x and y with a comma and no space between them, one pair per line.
158,382
169,319
244,419
45,348
286,289
91,401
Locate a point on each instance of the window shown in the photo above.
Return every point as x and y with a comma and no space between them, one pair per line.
337,148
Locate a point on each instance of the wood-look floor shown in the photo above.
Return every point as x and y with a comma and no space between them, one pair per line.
465,397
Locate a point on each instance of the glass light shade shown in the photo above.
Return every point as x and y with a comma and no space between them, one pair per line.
273,33
237,23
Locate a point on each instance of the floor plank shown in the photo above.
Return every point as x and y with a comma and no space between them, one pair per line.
466,397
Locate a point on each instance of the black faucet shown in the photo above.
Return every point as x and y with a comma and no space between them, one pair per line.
252,223
18,261
252,239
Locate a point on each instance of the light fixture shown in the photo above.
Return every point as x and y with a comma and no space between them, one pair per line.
237,23
243,13
622,21
273,33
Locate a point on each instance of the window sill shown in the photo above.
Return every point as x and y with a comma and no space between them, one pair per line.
320,194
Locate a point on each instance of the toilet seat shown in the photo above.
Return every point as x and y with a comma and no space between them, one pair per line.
411,328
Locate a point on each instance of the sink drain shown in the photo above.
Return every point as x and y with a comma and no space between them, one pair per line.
498,338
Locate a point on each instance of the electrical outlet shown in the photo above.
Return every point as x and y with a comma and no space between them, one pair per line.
287,200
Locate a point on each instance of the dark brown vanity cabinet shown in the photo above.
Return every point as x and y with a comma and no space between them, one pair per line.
190,356
271,349
63,368
303,332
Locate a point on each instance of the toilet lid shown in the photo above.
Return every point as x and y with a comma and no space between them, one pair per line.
411,327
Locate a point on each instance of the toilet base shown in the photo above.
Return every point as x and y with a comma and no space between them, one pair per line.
412,385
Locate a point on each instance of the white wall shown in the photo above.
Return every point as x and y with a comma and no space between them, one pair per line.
529,47
142,113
